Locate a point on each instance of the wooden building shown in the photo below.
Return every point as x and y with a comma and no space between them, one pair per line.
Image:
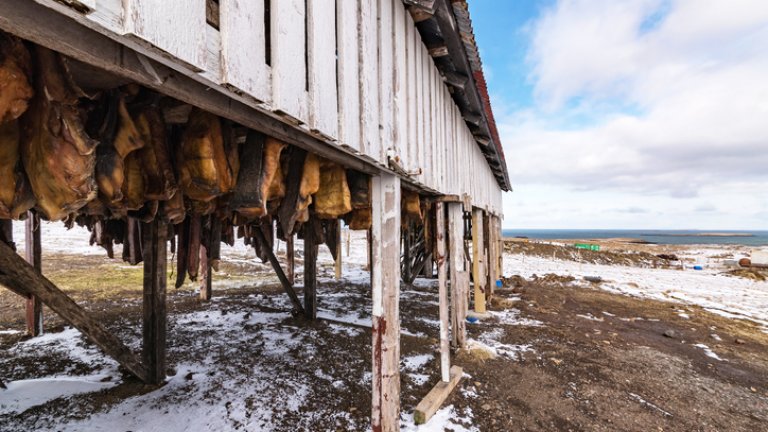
388,91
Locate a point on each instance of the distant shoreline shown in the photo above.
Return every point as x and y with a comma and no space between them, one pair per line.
713,234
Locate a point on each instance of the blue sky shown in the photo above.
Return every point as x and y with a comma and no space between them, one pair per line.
632,113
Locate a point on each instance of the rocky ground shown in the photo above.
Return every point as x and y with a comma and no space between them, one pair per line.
555,354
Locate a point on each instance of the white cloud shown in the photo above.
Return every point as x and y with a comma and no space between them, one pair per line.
676,108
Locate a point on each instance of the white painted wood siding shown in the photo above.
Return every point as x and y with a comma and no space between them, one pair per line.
355,73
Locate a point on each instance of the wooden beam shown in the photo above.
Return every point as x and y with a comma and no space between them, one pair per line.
337,264
290,257
385,286
22,273
459,275
310,269
155,313
455,79
478,260
264,244
33,253
442,283
435,398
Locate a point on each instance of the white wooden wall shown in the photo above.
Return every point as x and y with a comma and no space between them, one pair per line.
354,73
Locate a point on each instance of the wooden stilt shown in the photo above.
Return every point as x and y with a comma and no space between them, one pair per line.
442,281
262,239
154,236
493,254
33,254
478,260
310,269
206,277
459,275
385,284
290,256
22,278
337,263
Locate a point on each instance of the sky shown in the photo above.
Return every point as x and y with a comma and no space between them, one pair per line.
630,114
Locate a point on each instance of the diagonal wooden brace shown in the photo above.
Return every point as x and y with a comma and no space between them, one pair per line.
297,308
22,278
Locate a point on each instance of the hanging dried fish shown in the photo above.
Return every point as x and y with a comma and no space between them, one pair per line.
206,168
59,157
156,161
260,162
333,199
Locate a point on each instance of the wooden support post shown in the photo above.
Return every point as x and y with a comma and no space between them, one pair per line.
310,269
290,257
442,276
33,254
15,271
206,277
493,254
459,275
478,260
262,239
337,263
154,236
385,285
500,250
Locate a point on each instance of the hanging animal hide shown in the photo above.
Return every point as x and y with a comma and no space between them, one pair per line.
360,219
333,198
59,157
411,206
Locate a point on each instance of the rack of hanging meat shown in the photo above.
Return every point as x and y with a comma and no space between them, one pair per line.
133,166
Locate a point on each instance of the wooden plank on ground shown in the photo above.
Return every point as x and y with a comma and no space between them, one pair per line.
385,285
17,271
435,398
155,313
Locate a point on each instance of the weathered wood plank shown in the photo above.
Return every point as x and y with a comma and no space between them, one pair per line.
289,68
337,263
478,260
244,65
385,284
33,253
411,44
176,27
369,76
321,46
435,398
290,258
20,273
459,275
310,269
155,313
400,101
442,284
386,79
348,42
287,286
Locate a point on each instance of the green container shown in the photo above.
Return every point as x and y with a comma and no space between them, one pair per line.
592,247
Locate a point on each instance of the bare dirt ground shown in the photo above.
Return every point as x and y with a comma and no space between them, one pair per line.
570,358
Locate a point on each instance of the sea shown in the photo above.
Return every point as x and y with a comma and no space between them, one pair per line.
746,237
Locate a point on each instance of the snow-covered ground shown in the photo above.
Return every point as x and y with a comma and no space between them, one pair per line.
730,296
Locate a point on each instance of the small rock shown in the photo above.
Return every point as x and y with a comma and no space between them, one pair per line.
754,390
2,385
556,361
486,407
188,376
477,384
670,334
740,341
352,409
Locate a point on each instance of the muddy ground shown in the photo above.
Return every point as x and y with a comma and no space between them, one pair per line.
587,360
